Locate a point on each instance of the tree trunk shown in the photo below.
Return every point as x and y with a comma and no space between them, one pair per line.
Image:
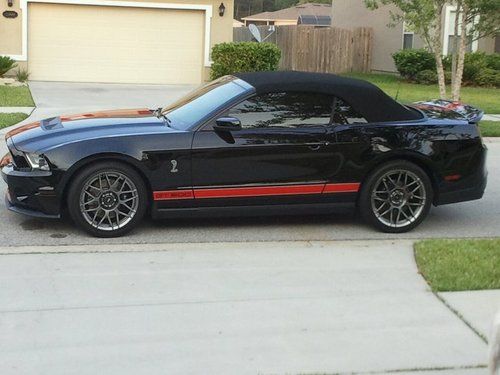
457,84
437,46
455,44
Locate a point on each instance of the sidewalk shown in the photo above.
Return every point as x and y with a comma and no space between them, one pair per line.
491,117
27,110
227,308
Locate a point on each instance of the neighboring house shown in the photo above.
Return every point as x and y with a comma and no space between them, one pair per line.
387,40
116,41
310,13
237,23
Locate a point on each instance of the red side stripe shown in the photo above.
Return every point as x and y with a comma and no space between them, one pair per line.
342,188
258,191
173,194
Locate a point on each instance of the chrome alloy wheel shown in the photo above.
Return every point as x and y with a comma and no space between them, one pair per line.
109,200
398,198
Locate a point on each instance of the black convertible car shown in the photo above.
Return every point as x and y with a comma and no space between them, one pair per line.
249,144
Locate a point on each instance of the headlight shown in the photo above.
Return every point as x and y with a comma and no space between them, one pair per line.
37,161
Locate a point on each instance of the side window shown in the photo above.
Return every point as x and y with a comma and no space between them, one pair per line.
344,114
290,109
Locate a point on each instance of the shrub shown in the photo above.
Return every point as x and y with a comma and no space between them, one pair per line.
229,58
6,64
473,63
447,76
411,61
22,75
426,77
493,61
488,77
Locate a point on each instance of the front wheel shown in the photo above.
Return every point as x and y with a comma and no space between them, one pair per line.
107,199
396,197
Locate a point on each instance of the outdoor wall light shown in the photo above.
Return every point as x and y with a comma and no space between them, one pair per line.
10,3
222,9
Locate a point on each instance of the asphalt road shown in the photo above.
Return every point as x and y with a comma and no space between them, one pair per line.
470,219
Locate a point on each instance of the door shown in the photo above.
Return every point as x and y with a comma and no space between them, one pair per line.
84,43
280,150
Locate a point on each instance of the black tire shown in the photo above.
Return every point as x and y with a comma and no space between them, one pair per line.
400,199
106,200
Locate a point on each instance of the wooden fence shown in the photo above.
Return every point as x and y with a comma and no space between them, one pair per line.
318,49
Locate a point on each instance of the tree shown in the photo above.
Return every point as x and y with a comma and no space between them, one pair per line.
424,18
475,19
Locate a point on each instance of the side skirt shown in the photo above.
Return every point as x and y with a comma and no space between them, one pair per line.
249,211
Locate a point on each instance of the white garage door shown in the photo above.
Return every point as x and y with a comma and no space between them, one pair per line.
82,43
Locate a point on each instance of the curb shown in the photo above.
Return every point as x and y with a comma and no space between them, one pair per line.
26,110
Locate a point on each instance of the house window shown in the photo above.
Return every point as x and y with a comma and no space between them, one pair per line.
408,37
450,37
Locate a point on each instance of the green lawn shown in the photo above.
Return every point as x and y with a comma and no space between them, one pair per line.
488,99
490,128
454,265
15,97
8,119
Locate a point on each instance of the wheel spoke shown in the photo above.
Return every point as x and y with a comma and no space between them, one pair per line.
109,200
398,198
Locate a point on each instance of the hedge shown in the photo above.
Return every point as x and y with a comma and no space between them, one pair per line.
229,58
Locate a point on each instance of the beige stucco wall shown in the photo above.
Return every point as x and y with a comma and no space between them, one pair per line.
11,33
387,40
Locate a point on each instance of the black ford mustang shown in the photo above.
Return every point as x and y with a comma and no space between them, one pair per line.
255,143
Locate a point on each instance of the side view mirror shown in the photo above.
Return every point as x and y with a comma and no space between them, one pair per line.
227,124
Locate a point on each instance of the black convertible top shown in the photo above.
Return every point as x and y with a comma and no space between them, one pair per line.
366,98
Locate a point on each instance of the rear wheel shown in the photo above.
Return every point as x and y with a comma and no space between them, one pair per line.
107,199
396,197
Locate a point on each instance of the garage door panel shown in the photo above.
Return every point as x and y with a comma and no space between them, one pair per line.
115,44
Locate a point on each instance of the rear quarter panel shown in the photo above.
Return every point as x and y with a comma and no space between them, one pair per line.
441,147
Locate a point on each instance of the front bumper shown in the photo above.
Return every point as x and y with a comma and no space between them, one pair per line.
31,193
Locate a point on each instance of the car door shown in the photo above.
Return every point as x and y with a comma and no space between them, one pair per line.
348,144
279,151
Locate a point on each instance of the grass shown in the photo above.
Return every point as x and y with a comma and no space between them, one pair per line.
488,99
15,97
8,119
455,265
490,128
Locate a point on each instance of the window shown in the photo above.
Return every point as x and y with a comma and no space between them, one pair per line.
191,109
408,37
407,41
344,114
289,110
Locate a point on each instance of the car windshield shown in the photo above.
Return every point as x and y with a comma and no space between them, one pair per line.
191,109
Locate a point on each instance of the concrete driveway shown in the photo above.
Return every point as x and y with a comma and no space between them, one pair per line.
56,98
471,219
256,308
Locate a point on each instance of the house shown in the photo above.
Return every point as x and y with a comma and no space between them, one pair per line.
237,23
310,13
387,40
115,41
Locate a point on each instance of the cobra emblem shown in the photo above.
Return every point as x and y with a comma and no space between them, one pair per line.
174,166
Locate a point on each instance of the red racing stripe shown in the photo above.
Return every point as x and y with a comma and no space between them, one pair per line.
351,187
256,191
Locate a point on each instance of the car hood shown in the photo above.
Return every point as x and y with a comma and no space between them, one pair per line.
66,129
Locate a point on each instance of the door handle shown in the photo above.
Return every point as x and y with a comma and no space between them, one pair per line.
316,145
